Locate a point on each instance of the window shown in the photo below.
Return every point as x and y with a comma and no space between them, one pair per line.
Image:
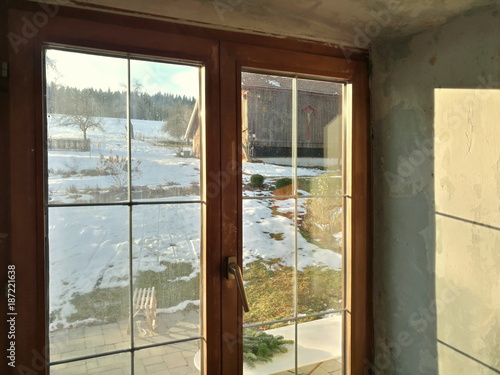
124,213
130,207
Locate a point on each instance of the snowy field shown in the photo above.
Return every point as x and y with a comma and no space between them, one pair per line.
89,247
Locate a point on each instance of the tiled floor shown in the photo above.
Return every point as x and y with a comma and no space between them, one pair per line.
171,359
331,367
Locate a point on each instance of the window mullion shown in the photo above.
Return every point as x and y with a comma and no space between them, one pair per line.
294,192
130,225
129,141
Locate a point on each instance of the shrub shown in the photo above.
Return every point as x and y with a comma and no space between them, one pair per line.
282,182
326,184
115,168
72,166
91,172
323,217
256,180
71,189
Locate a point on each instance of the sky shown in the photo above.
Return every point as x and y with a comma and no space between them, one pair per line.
83,70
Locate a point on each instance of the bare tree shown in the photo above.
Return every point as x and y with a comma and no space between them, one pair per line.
84,117
136,90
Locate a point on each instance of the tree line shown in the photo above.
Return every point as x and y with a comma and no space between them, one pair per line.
99,103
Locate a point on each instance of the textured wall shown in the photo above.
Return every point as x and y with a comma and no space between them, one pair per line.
354,23
436,155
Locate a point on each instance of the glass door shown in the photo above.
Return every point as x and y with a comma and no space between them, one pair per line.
294,157
293,218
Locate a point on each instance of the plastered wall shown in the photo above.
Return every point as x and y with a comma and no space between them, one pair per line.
436,167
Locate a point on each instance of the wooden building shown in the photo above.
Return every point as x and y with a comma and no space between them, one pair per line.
267,116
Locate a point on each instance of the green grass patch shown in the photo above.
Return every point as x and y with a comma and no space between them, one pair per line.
270,288
169,291
105,304
111,304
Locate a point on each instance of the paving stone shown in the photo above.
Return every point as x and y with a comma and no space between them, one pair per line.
93,341
171,349
151,360
68,349
74,341
113,372
110,360
158,367
92,364
177,329
174,360
122,345
139,368
321,371
111,327
82,352
93,330
75,333
332,365
123,324
183,371
189,354
117,369
113,338
71,370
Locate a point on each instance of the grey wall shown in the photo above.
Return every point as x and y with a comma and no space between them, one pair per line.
436,167
353,23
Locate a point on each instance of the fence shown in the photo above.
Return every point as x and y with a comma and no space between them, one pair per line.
72,144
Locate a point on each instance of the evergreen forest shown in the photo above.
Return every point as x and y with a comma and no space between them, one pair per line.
98,103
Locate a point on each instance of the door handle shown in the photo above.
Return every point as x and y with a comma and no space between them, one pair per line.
234,272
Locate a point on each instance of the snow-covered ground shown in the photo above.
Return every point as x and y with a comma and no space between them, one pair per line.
89,246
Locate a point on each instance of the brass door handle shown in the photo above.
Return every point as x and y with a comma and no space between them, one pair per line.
234,272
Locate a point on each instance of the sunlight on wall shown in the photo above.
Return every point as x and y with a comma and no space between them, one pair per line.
467,193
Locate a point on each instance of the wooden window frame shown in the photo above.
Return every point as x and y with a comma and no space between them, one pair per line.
220,51
235,58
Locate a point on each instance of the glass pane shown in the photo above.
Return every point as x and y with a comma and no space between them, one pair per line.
165,130
320,345
86,133
114,364
319,132
292,241
88,280
266,134
166,257
320,277
89,162
268,255
182,358
270,351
